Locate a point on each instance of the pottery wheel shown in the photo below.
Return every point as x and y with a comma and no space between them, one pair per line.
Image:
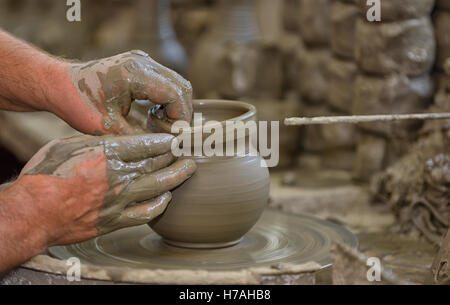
277,238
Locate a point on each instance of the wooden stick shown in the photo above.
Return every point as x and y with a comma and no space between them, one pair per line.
356,119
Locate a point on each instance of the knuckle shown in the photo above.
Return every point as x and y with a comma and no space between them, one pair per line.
187,86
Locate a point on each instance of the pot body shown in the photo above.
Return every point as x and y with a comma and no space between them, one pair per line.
226,196
218,205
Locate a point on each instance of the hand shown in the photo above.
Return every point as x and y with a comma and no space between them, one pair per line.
106,88
85,186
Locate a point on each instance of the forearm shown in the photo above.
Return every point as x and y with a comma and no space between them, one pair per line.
27,75
20,237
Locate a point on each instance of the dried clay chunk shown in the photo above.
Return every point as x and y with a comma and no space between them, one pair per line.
395,94
314,17
397,10
406,47
343,18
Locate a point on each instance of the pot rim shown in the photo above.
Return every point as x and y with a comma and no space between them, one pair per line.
249,113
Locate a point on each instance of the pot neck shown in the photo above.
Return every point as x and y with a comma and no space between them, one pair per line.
236,21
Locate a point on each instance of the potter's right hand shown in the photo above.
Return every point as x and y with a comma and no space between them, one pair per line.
85,186
96,97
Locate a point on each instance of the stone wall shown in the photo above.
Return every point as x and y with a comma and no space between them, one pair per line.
417,187
395,58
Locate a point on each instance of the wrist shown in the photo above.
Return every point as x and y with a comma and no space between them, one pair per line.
64,99
57,84
20,220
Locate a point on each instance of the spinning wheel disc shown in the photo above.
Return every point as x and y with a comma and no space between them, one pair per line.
277,238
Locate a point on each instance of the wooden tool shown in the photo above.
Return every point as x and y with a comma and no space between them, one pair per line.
356,119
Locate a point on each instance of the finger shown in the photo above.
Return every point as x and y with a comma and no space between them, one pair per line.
122,127
161,86
145,166
132,148
155,184
177,98
145,212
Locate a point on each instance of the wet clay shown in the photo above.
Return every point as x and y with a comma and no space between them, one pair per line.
110,85
227,195
277,240
140,170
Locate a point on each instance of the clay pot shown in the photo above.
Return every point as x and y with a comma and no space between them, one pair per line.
156,35
225,60
226,196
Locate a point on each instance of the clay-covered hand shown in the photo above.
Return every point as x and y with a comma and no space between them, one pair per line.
85,186
106,88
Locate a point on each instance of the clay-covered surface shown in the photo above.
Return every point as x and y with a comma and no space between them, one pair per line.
407,258
441,264
404,260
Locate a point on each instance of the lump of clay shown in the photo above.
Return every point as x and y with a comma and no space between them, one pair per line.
343,18
394,94
395,10
406,47
442,24
314,19
342,75
417,187
313,74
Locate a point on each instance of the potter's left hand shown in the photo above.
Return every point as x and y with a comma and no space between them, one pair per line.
75,189
98,94
110,182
